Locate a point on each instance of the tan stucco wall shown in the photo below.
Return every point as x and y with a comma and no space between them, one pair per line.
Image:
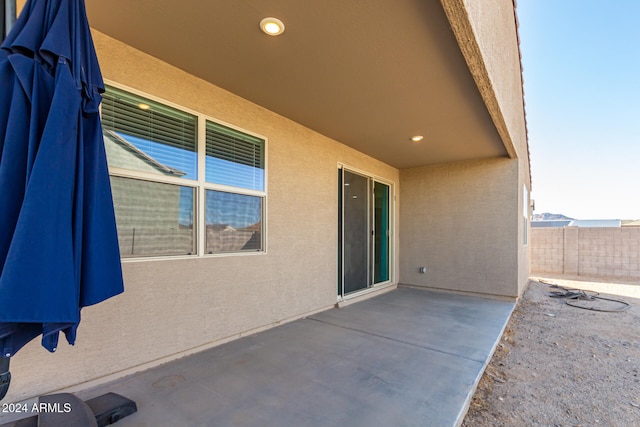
175,306
524,246
487,34
459,220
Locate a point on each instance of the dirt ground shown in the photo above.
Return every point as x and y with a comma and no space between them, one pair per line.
559,365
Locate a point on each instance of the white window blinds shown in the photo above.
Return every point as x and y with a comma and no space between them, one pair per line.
159,136
234,158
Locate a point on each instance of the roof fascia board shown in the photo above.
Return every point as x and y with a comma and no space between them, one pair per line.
460,22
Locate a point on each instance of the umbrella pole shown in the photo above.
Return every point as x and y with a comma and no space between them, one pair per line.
8,16
5,376
3,10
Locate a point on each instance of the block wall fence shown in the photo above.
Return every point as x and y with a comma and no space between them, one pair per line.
589,252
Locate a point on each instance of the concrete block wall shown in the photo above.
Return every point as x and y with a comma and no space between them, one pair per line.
547,250
590,252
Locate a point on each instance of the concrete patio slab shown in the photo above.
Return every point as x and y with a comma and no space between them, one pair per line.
410,357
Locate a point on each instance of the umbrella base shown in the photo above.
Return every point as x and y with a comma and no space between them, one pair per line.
66,410
5,376
110,408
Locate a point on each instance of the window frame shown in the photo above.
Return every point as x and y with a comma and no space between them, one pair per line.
195,226
526,214
200,184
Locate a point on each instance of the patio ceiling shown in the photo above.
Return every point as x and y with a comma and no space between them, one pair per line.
368,74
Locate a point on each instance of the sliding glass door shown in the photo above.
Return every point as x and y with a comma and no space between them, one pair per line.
380,232
364,233
355,223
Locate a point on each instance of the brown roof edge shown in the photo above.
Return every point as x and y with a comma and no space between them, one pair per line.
524,103
461,25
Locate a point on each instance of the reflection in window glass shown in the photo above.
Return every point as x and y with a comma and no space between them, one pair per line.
153,218
152,151
225,172
234,222
147,136
234,158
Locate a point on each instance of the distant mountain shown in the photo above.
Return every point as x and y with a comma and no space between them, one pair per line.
550,217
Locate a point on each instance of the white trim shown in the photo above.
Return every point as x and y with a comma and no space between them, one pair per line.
265,240
367,293
370,233
184,257
365,174
202,206
525,215
341,221
235,190
392,231
393,273
200,184
147,176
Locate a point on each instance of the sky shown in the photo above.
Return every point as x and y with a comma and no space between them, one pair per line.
581,69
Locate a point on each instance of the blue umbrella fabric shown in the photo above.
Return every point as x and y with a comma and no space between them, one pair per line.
58,240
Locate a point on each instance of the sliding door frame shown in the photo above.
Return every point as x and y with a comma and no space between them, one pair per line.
372,180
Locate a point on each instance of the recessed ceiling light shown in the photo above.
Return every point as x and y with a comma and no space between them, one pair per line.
144,106
417,138
272,26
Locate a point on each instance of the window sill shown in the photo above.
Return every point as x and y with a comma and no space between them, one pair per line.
185,257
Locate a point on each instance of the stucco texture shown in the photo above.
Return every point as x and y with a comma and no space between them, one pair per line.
487,34
463,221
173,307
459,221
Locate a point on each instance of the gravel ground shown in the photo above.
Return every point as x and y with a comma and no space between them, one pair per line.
558,365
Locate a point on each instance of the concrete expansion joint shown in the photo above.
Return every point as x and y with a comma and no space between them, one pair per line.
384,337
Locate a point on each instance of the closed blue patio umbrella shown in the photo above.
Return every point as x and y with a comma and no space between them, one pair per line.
58,242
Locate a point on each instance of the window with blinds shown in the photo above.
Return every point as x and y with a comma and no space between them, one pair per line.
234,158
152,150
153,218
148,136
